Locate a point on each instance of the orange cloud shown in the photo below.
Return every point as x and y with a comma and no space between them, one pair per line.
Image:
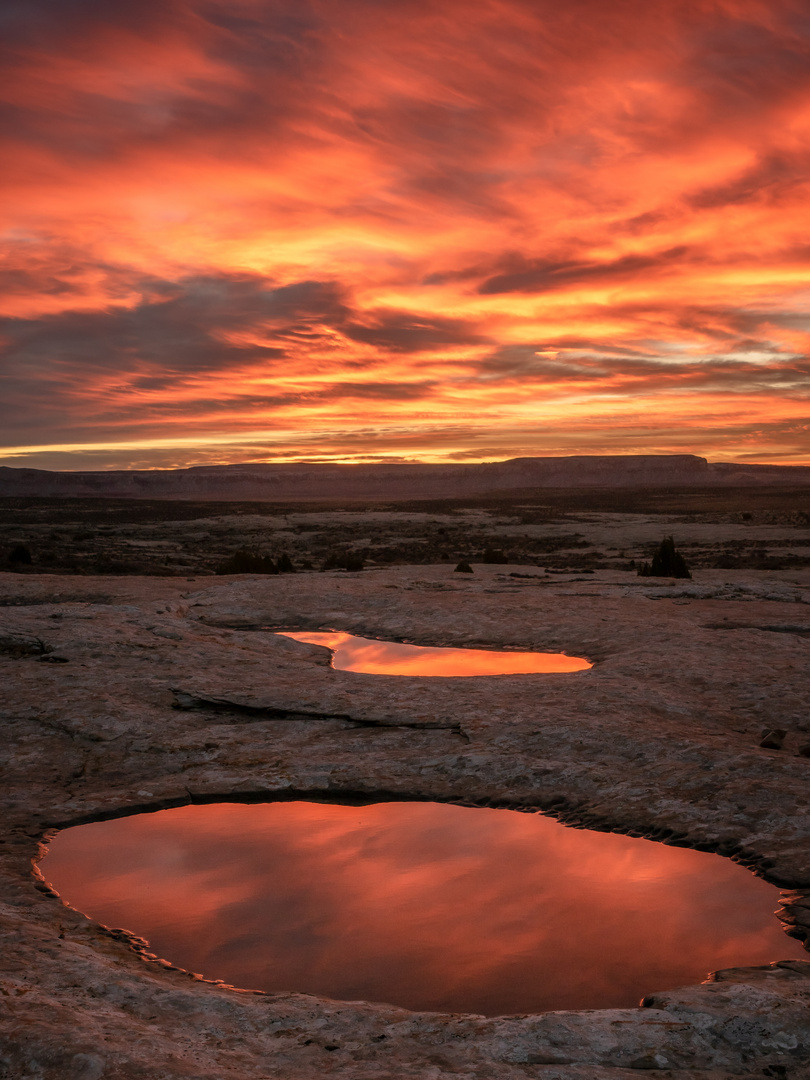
352,231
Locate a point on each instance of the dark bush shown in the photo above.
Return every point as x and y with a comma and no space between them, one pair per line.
463,568
247,562
495,555
123,567
727,562
20,555
285,565
667,562
343,560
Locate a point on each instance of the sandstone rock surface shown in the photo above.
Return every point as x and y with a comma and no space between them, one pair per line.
170,691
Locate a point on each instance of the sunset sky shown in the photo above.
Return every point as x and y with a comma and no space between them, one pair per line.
359,230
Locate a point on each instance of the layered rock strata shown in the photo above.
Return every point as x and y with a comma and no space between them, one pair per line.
414,481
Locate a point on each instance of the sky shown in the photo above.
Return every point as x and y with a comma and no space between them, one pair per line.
394,230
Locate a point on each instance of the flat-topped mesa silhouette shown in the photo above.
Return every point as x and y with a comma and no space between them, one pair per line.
326,481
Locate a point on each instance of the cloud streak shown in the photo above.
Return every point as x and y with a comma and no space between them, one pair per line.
518,228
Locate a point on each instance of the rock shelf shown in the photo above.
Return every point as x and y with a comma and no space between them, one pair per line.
143,693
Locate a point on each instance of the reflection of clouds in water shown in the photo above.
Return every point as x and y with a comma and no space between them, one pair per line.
394,658
427,905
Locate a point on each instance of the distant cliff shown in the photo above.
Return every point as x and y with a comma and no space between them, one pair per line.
305,482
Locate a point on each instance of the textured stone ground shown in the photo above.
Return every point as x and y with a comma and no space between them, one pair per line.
139,693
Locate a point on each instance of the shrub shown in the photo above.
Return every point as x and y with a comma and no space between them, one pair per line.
247,562
285,565
20,555
494,555
344,560
667,562
463,568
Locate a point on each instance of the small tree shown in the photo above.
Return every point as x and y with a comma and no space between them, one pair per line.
247,562
20,555
344,560
285,565
667,562
495,555
463,568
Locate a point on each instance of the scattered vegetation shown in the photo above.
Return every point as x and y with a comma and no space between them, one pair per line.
495,555
247,562
344,560
20,555
666,562
463,568
194,539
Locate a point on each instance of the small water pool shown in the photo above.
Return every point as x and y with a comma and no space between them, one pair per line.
424,905
373,657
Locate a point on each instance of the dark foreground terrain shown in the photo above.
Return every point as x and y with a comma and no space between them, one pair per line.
726,528
158,684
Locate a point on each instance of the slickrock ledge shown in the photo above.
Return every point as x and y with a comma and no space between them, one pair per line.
141,693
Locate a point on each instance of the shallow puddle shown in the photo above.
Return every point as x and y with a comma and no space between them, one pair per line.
424,905
373,657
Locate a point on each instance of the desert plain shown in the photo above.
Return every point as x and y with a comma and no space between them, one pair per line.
135,677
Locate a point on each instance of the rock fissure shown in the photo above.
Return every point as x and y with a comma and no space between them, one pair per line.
190,700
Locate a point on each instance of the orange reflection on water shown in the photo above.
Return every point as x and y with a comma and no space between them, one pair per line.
393,658
424,905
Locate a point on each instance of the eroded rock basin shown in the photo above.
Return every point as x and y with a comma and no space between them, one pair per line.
422,905
374,657
149,698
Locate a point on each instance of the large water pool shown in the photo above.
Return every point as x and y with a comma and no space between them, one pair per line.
425,905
